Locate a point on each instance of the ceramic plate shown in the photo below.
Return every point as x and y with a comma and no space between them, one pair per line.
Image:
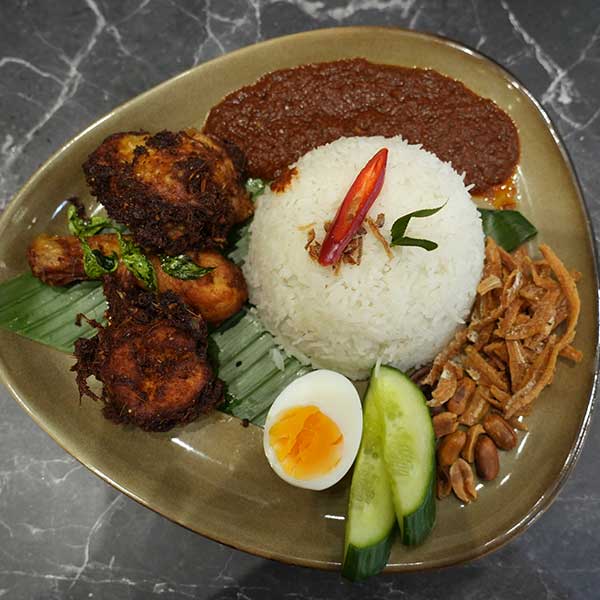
211,476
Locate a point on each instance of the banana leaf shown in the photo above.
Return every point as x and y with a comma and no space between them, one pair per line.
243,349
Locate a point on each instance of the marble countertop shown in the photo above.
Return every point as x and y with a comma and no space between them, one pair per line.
64,533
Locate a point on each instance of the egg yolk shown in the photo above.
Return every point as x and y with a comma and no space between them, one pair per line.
306,441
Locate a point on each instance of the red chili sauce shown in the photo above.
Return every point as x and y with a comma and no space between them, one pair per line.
289,112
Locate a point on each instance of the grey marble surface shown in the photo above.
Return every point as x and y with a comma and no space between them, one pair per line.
66,534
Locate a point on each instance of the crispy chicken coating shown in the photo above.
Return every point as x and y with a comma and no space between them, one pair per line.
217,295
58,260
151,359
175,191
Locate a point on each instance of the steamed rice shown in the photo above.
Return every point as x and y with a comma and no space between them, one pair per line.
401,311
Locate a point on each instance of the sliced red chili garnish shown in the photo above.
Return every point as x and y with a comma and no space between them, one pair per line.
354,208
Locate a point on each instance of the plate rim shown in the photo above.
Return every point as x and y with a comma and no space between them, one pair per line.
544,501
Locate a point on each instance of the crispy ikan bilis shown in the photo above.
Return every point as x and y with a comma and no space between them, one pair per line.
151,359
175,191
216,296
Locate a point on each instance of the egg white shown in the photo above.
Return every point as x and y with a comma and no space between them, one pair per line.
336,397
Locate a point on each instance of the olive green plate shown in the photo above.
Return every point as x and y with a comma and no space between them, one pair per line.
211,476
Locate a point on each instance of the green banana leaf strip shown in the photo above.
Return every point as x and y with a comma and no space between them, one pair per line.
47,314
509,228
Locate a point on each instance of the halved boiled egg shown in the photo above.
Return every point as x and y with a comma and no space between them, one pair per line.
313,430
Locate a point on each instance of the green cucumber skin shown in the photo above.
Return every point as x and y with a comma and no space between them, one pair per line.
361,563
417,525
367,555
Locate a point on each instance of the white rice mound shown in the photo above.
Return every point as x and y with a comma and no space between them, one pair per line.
401,311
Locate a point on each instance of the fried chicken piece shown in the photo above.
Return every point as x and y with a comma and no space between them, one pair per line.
58,260
151,359
175,191
217,295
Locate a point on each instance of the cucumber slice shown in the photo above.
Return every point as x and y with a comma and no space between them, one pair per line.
370,524
408,451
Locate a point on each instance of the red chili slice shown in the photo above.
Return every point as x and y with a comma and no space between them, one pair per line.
354,208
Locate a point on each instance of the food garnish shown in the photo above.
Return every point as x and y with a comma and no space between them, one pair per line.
400,225
394,476
486,379
83,227
374,227
97,264
313,430
137,262
255,187
354,208
183,267
509,228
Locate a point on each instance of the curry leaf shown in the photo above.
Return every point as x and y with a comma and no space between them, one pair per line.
137,262
255,187
400,225
183,267
408,241
97,264
509,228
83,228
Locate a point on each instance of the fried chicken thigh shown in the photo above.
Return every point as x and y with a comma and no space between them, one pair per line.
151,360
175,191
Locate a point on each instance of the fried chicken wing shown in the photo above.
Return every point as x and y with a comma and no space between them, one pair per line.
175,191
151,360
58,260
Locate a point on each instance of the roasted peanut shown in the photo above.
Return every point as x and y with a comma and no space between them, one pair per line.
487,461
468,451
500,431
462,480
464,391
449,449
444,423
443,485
435,410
